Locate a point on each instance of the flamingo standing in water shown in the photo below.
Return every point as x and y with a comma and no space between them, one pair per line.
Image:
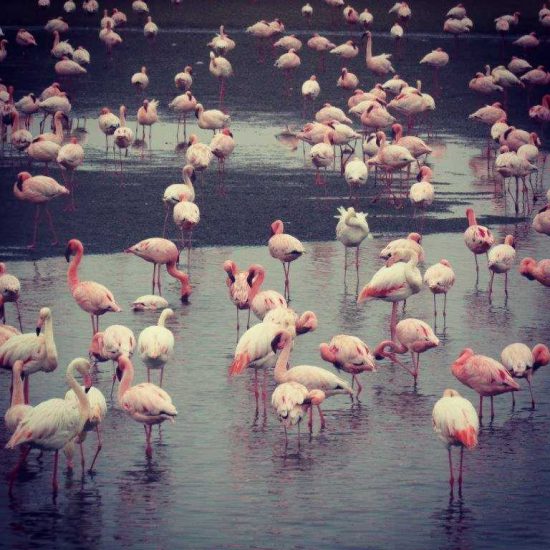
92,297
440,278
186,216
262,301
288,63
350,354
222,145
69,157
352,229
411,335
240,285
286,249
123,136
313,378
10,287
147,116
174,191
108,123
484,375
38,190
501,259
380,64
477,237
456,423
36,350
156,345
394,283
322,155
160,251
412,242
182,105
53,423
221,68
522,362
145,403
310,92
18,408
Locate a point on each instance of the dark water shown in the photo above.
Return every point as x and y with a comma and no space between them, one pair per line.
219,478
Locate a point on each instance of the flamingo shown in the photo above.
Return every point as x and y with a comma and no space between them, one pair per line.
527,41
521,362
286,249
310,91
211,119
356,173
437,59
313,378
412,242
416,146
484,375
198,155
28,105
20,138
68,67
328,113
517,65
51,105
3,50
147,116
422,192
347,80
456,423
160,251
500,259
351,15
81,56
288,62
69,158
90,296
289,42
477,237
222,146
150,29
145,403
106,19
221,68
186,216
257,349
140,80
484,84
261,302
24,38
394,283
119,18
56,25
184,79
109,37
240,285
351,230
221,43
140,7
397,31
541,222
123,136
60,48
90,6
174,191
350,354
291,401
182,105
287,319
320,44
533,270
347,50
411,335
366,18
108,124
156,345
96,415
322,156
380,64
440,278
307,12
402,10
53,423
18,408
38,190
149,302
10,288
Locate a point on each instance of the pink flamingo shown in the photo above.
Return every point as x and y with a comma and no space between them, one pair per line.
411,335
350,354
91,297
18,408
37,350
239,284
477,237
500,259
69,157
484,375
455,421
440,278
222,145
394,283
412,242
533,270
6,331
38,190
286,249
522,362
313,378
159,252
292,401
262,301
53,423
10,288
145,403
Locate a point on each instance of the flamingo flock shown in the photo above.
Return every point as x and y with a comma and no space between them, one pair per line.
393,105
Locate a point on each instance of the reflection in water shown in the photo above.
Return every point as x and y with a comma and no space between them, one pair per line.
456,521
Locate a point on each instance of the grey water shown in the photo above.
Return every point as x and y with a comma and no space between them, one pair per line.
220,476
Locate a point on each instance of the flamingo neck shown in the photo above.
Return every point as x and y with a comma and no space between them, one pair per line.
122,117
280,371
72,273
546,101
127,377
59,129
369,47
257,284
56,39
15,121
398,134
163,316
387,347
83,403
17,396
182,277
327,354
51,350
471,217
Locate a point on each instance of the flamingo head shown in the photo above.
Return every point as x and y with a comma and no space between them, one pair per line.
227,132
83,367
465,354
188,171
509,240
396,129
105,111
541,353
444,262
145,104
230,267
21,177
535,140
316,397
185,289
450,393
328,353
282,339
306,323
73,247
256,272
96,346
526,267
277,227
44,316
188,69
425,173
416,237
192,139
313,77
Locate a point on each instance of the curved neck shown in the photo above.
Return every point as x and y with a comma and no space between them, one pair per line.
15,121
257,283
17,396
51,350
280,371
122,117
72,273
83,403
187,180
546,101
387,347
398,134
182,277
163,316
127,376
369,47
59,129
56,40
471,218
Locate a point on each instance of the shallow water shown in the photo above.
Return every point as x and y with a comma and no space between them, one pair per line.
376,477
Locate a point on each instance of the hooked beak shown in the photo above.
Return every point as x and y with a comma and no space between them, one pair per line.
68,254
38,329
185,299
118,373
87,383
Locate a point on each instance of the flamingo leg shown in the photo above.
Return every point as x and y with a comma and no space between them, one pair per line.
167,211
345,262
393,320
451,478
55,485
50,223
321,416
310,419
161,377
148,449
491,283
82,460
359,386
15,472
264,392
248,322
445,305
492,409
530,391
460,469
26,390
506,283
158,280
256,391
35,230
19,315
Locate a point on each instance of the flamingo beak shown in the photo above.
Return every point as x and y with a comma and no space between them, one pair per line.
118,373
68,254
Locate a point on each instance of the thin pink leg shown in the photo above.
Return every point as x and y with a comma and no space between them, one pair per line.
393,321
451,478
161,376
321,416
167,211
460,470
52,228
19,315
256,390
480,407
15,472
154,273
530,391
82,460
310,419
55,485
99,447
26,390
35,230
492,408
148,375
